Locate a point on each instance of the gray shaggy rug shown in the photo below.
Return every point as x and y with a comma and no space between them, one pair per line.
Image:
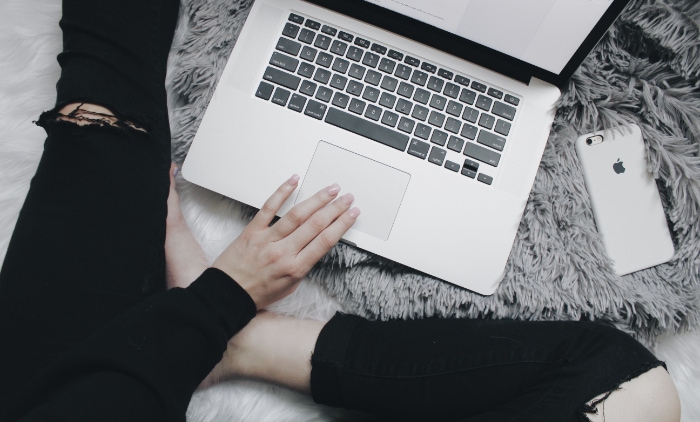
645,71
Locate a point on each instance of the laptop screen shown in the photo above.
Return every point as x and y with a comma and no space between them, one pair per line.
544,33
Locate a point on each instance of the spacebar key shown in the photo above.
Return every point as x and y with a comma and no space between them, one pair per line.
367,129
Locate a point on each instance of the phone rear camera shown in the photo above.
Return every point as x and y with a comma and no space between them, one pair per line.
589,141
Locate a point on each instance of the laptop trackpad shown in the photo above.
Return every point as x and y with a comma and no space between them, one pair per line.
378,188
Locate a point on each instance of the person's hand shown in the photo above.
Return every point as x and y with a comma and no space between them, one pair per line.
268,261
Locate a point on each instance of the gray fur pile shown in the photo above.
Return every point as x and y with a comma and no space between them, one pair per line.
646,70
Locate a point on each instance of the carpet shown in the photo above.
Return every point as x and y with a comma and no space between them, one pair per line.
644,71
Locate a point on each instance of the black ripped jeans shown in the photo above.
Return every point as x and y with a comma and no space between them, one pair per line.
88,245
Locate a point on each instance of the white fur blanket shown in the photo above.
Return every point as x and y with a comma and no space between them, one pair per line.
29,41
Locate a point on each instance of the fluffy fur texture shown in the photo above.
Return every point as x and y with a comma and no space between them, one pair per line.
645,71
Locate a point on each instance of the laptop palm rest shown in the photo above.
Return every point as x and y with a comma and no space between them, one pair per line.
378,188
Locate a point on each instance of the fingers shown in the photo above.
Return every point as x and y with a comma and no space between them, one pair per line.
273,204
319,221
325,240
303,211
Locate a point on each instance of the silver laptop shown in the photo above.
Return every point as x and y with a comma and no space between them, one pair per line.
434,114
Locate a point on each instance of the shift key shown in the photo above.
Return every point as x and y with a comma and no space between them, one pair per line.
482,154
281,78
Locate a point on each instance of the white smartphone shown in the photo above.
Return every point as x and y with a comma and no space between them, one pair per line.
625,199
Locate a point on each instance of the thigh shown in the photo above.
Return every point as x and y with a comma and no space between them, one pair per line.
475,370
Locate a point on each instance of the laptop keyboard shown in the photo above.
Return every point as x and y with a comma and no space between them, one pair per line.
390,97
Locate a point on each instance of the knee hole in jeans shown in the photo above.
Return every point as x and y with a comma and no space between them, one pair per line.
87,114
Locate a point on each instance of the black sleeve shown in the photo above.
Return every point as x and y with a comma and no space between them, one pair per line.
145,365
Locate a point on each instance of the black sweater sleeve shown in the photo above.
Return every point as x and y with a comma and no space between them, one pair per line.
145,365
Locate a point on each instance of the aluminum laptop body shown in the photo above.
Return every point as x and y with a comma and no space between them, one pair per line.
425,203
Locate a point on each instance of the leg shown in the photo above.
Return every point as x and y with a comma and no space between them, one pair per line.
445,369
89,240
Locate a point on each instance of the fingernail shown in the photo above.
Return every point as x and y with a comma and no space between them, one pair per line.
176,171
293,180
333,189
354,212
348,198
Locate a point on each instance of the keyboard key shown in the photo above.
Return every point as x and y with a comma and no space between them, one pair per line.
370,59
471,165
340,100
387,100
354,53
478,86
339,82
469,173
403,72
284,61
378,48
322,75
462,80
423,131
418,148
367,129
297,103
308,88
324,59
389,83
444,73
422,96
281,96
470,114
403,106
467,96
406,125
485,179
345,36
296,18
324,94
420,113
511,99
339,48
264,90
387,65
329,30
469,131
503,110
371,94
492,140
395,55
436,119
451,90
482,154
288,46
405,90
282,78
313,24
290,30
419,78
487,121
438,102
484,102
373,77
357,106
451,165
306,36
373,112
362,42
454,108
308,53
437,155
340,65
431,68
438,137
390,119
412,61
455,144
306,69
495,93
502,127
315,109
435,84
452,125
322,42
355,88
356,71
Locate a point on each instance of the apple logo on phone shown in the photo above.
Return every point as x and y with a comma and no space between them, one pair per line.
618,167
